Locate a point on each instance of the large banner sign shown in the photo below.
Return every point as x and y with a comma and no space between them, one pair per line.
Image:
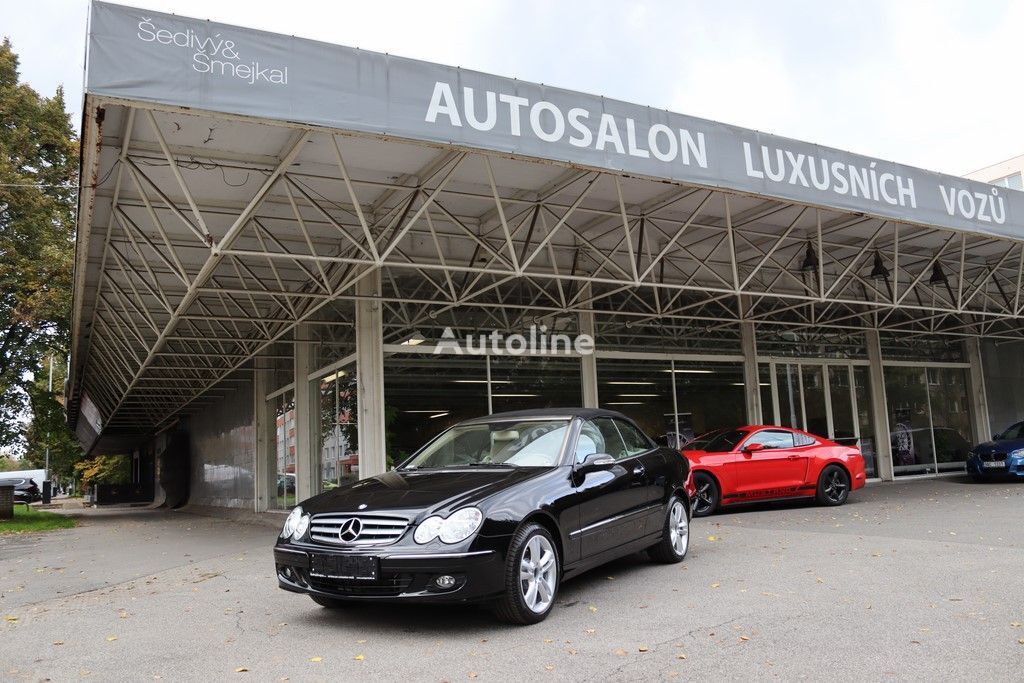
143,55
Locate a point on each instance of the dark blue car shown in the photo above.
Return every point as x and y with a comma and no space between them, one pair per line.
1001,457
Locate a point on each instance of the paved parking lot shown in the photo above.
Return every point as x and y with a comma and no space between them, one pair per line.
920,580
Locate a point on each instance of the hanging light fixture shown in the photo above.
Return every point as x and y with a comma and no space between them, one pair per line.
878,270
810,259
938,275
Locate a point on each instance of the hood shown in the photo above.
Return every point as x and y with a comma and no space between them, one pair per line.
999,446
414,491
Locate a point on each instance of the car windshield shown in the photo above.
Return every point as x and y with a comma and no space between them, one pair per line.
701,442
725,441
529,443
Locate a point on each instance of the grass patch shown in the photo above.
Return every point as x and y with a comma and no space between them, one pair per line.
31,519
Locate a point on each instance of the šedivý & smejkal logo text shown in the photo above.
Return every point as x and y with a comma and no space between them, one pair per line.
213,54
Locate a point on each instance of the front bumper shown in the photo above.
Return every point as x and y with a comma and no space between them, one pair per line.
1010,467
406,574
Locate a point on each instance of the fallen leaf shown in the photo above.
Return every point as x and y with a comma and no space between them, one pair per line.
361,641
549,640
592,608
111,639
744,637
1015,624
473,674
1021,641
241,670
11,618
712,538
820,580
716,585
58,642
591,630
359,658
620,652
316,659
643,648
680,656
549,667
572,652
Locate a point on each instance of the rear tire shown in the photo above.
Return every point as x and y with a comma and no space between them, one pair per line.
533,572
708,494
833,486
675,536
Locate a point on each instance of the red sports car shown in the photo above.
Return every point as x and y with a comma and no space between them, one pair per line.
759,463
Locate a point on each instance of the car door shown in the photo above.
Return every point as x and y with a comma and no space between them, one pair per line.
611,501
650,469
777,470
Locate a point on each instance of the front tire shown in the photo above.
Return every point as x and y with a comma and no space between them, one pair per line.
533,572
708,494
833,486
675,536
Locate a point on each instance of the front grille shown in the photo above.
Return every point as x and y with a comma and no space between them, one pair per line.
994,457
373,529
387,585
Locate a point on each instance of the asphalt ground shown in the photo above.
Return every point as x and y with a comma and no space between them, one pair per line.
921,580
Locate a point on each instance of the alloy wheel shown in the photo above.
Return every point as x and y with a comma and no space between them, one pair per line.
835,486
704,497
538,573
679,528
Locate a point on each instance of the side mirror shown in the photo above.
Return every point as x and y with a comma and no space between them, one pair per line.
753,448
594,462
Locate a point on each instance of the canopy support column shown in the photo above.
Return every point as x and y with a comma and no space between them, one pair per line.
879,406
751,378
370,376
980,419
588,362
307,410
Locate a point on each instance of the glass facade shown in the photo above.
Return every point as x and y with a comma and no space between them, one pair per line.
930,428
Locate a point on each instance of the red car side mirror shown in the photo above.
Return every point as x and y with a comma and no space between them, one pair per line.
753,447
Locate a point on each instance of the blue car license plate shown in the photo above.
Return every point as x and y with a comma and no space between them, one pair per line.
995,465
361,567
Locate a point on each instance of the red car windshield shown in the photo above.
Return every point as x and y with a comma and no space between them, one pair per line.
724,441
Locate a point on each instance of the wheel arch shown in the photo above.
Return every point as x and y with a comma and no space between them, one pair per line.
545,520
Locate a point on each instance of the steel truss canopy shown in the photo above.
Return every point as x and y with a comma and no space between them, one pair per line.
237,184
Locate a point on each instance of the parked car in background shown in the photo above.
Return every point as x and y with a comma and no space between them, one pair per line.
25,490
1001,457
760,463
498,510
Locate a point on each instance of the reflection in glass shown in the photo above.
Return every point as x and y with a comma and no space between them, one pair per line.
283,410
865,421
844,430
951,422
528,382
909,424
814,401
339,455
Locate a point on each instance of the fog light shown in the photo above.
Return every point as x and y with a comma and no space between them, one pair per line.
445,582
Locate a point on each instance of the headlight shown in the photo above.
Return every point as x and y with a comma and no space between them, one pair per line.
455,529
301,528
1019,453
291,522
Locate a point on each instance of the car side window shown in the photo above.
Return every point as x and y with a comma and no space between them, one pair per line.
610,438
803,440
1016,431
589,441
772,438
635,441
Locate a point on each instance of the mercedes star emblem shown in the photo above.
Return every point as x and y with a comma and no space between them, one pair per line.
350,530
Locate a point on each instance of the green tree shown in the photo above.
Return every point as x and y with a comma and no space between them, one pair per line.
38,181
48,427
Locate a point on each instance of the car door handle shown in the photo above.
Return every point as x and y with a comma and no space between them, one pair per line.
639,470
793,457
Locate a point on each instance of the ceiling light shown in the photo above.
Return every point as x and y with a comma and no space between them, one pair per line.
480,381
513,395
878,270
630,383
690,371
435,410
438,415
938,276
810,259
415,340
331,378
638,395
741,384
624,403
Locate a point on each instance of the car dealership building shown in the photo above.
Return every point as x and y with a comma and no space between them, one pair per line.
283,246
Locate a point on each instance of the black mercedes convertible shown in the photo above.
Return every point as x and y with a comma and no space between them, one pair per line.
499,509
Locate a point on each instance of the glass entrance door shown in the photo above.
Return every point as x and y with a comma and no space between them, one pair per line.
825,398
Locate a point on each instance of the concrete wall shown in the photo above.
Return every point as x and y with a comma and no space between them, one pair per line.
222,443
1003,366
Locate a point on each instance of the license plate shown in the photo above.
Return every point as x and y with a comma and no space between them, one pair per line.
359,567
995,465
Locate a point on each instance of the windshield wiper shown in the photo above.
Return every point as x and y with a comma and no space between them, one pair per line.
492,464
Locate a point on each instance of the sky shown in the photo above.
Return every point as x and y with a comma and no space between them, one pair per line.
931,84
